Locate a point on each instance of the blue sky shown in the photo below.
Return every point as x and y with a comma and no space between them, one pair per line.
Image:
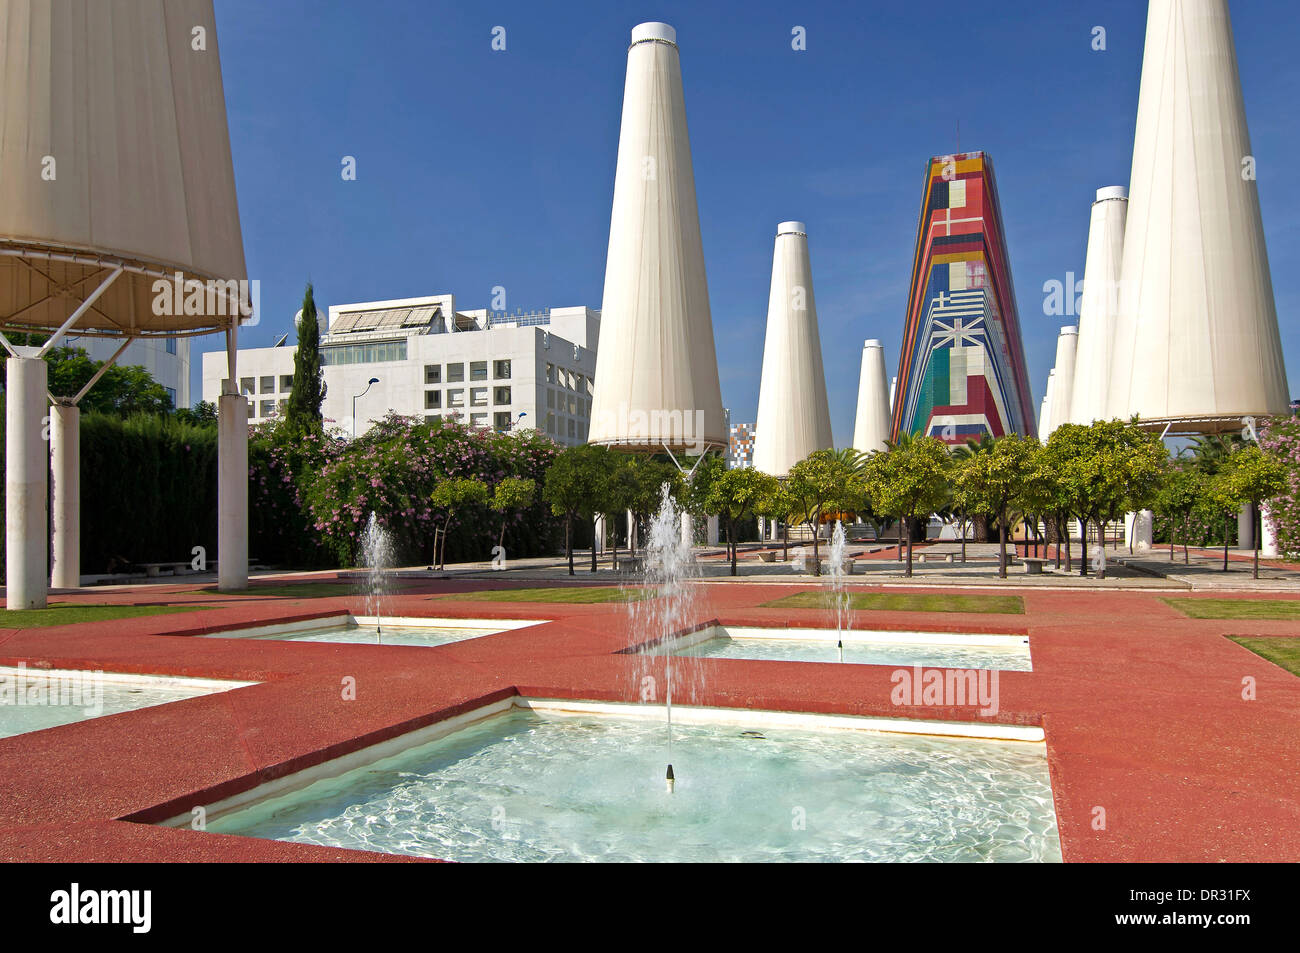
478,168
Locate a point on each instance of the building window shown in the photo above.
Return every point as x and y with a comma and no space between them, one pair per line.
550,397
573,404
432,374
247,386
378,352
282,406
268,384
171,392
456,397
478,420
432,418
502,420
171,345
455,373
268,408
286,383
550,423
501,395
501,370
478,370
432,399
550,373
572,429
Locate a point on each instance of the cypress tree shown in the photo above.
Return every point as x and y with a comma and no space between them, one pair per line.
303,412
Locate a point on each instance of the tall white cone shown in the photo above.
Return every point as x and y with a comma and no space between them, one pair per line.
1101,276
1196,339
1063,377
794,418
656,369
1045,424
872,426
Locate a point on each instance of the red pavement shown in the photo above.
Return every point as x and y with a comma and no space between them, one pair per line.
1146,726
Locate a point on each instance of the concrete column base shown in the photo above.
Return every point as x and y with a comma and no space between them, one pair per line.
26,472
65,495
713,531
232,492
1268,534
1246,527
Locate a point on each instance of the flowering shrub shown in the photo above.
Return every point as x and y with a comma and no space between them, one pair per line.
281,463
1280,436
392,471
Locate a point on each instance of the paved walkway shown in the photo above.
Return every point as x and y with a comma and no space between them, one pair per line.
1142,709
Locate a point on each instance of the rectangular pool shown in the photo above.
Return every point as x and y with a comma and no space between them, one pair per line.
904,649
545,785
363,630
33,699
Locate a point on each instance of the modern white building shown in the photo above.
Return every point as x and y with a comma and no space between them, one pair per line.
429,360
167,360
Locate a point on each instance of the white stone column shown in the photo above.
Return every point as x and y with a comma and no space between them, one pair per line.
599,540
762,529
631,531
65,495
26,472
713,530
1143,531
1267,536
1246,527
232,492
688,530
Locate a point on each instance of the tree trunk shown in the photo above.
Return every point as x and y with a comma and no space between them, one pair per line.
1002,543
731,541
785,542
1083,555
1225,544
568,541
1101,541
908,523
963,541
614,559
816,539
501,540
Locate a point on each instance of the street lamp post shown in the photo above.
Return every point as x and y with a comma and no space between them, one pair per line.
372,382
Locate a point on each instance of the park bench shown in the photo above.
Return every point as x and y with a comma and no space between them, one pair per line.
767,556
935,557
178,568
631,563
1033,566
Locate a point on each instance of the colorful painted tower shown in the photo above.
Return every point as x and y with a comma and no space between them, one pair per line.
961,371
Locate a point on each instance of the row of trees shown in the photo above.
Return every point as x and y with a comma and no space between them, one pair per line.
1093,474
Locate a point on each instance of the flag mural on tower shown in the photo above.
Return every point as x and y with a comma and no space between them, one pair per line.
961,370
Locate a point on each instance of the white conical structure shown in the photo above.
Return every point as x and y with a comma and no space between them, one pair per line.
1196,338
1063,377
656,370
794,418
872,426
1101,274
1045,425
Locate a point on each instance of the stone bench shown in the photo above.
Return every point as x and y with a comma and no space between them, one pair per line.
178,568
631,563
767,556
935,557
1033,566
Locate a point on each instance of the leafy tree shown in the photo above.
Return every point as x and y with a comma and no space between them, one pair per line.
511,494
822,483
574,487
1247,475
450,497
736,495
620,496
1180,493
995,481
1105,470
780,507
303,412
122,390
649,474
910,481
202,414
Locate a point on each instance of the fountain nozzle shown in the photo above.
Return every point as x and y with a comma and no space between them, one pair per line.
840,645
669,779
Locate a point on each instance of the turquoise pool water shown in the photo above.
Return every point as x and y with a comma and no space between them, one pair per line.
1011,658
31,700
529,787
391,635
